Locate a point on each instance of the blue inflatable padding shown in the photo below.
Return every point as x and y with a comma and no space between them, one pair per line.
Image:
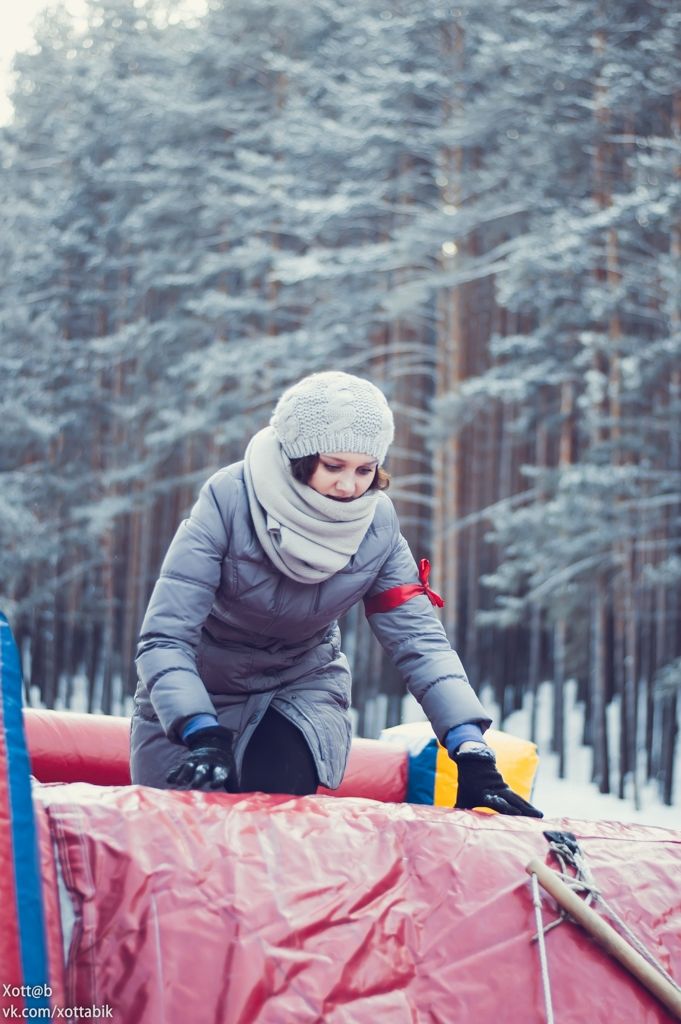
24,841
421,774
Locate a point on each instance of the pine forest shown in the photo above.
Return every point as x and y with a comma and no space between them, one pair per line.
476,205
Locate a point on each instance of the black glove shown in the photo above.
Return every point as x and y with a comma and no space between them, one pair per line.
209,763
481,785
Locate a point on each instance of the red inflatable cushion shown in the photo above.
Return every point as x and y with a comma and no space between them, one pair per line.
193,906
65,746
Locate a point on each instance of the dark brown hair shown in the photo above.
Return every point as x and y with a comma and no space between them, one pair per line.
304,467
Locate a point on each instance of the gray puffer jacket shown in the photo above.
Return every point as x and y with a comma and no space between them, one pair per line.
226,633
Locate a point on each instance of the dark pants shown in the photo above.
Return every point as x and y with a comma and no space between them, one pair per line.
278,759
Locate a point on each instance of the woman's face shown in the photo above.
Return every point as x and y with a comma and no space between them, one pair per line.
343,476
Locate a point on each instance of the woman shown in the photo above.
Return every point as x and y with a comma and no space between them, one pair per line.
242,682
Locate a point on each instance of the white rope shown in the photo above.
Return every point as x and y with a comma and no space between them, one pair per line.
636,942
546,981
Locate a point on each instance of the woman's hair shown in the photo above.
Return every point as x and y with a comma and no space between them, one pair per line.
304,467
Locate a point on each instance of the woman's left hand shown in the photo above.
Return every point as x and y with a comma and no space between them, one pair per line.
481,785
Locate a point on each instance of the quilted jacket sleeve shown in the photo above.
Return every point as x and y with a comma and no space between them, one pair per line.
180,603
416,642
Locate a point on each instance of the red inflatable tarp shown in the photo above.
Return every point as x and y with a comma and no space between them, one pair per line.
69,746
243,909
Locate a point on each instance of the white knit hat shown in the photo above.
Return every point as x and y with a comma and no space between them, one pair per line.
333,412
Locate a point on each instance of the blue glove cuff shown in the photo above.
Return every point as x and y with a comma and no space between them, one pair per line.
469,731
203,721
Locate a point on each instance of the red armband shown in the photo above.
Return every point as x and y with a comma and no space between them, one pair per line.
396,596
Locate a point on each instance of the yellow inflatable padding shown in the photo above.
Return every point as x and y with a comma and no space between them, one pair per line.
517,759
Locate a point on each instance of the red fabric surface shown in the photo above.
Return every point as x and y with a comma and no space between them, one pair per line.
53,932
218,908
376,770
68,747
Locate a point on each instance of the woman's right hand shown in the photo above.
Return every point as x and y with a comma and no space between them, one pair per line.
209,762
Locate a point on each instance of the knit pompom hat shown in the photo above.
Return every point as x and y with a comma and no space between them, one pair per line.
333,412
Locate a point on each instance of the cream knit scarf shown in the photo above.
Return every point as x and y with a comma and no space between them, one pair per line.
308,536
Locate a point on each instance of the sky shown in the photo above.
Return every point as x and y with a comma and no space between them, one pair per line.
16,34
17,20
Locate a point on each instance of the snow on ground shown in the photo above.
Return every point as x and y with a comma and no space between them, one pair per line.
576,796
563,798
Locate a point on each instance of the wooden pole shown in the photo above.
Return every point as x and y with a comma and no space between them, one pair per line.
605,934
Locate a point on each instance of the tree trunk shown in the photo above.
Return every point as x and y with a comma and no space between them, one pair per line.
558,742
599,730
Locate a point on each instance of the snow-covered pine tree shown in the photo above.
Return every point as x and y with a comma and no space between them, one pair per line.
579,545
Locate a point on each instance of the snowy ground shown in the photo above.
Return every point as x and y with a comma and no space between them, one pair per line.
563,798
576,796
